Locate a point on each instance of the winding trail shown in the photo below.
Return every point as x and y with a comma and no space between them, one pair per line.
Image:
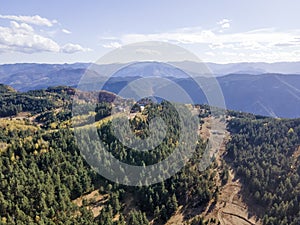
229,209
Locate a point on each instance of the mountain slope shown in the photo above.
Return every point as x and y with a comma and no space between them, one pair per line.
46,180
269,94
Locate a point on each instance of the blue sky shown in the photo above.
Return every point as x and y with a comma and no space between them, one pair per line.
82,31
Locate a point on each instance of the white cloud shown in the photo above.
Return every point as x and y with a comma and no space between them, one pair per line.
66,31
36,20
190,37
21,37
113,44
19,27
73,48
224,23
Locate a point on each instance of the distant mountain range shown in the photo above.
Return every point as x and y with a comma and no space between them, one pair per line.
251,68
259,88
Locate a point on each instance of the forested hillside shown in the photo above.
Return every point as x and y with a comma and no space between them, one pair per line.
43,173
45,180
265,153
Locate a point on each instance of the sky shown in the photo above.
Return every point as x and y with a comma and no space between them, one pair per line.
217,31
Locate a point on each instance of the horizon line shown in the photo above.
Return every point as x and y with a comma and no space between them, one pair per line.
77,62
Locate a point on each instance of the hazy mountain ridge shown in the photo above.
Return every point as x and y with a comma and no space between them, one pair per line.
269,94
254,68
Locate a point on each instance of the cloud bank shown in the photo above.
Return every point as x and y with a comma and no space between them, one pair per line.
267,44
21,36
